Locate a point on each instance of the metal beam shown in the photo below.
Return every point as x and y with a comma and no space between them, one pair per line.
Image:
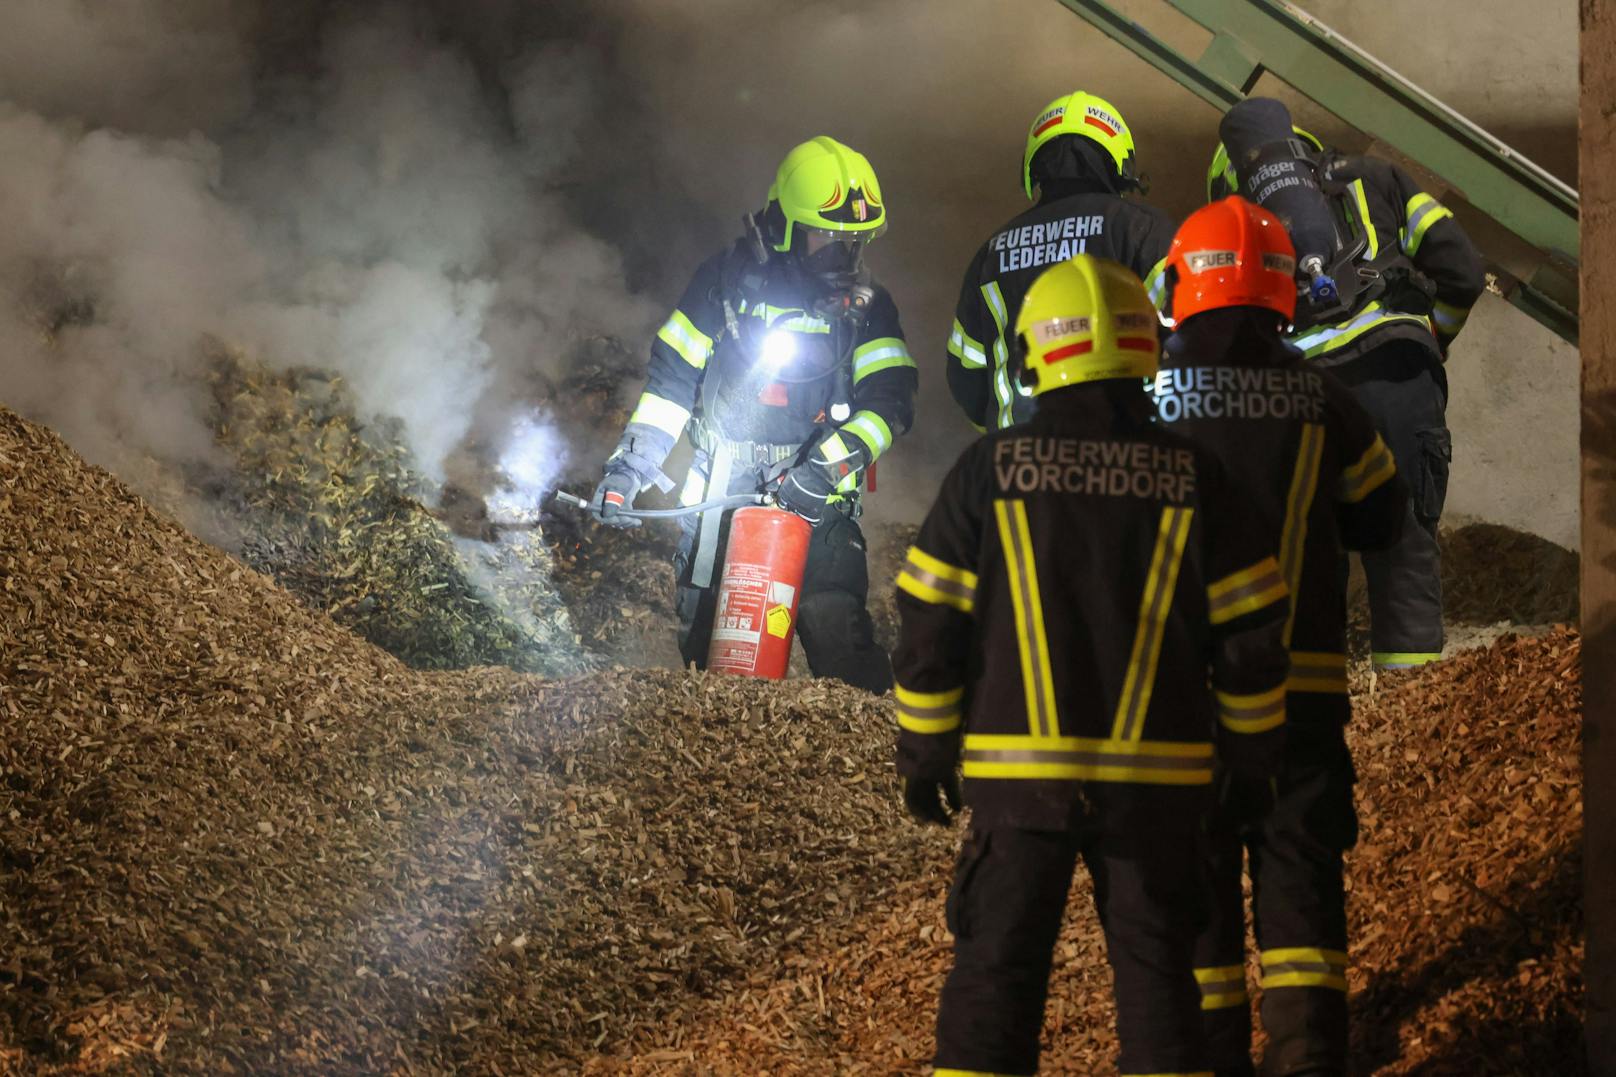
1253,36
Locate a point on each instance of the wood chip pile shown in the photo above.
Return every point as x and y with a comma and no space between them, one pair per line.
235,837
1465,910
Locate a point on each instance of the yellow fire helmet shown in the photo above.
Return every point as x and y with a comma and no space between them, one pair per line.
1086,319
1221,181
827,187
1087,116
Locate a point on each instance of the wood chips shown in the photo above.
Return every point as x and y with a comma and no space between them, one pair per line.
234,837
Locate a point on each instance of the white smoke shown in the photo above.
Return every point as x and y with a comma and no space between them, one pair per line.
345,186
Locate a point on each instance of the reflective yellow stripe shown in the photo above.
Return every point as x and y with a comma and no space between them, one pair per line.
664,415
1160,583
1403,659
871,429
1448,318
1329,338
930,712
1246,591
1001,353
1304,966
1037,676
1254,713
681,334
1222,986
1087,759
833,450
1421,213
1363,214
932,580
1317,671
882,353
1298,506
966,348
794,319
1156,285
1373,469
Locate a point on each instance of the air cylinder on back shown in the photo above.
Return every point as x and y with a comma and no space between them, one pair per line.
1266,155
756,615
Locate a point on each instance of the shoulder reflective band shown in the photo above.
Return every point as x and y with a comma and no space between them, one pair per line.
1246,591
871,429
1001,353
1318,671
929,712
1156,285
1255,713
931,579
1160,584
1422,212
665,415
1362,200
1087,759
1037,675
680,334
882,353
1298,507
1304,966
1222,986
1449,319
1373,469
966,348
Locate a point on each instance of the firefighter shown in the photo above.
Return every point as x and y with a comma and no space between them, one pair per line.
1079,581
787,366
1323,480
1405,277
1080,160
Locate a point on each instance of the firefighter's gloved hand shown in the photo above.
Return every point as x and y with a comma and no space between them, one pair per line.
925,798
615,493
1246,798
804,490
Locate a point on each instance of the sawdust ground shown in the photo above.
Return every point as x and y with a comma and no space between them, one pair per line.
236,838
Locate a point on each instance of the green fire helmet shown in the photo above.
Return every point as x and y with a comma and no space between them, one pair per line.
1221,181
1086,116
827,187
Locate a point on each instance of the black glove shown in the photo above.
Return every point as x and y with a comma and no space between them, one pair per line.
804,489
924,797
1245,798
615,493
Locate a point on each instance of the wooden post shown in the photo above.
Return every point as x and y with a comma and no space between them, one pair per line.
1597,181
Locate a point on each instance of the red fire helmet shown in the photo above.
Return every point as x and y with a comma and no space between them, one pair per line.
1232,253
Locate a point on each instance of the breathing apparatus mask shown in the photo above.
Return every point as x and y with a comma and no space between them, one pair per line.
828,265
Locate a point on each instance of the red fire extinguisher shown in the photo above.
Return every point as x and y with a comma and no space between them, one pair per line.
757,595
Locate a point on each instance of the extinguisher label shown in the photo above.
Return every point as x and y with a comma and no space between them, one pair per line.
782,594
779,621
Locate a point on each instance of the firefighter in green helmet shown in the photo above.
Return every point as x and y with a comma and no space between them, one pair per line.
1080,169
785,365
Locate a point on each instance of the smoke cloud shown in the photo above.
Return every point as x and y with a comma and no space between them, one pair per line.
378,189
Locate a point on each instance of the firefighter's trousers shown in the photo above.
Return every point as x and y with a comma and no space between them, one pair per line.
1005,907
1406,392
1299,913
833,621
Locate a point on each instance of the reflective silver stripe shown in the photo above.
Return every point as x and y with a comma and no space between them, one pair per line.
871,429
1371,314
1172,533
878,355
1001,352
1449,318
1420,219
1131,760
663,414
1299,506
940,583
1017,544
1246,590
963,347
681,334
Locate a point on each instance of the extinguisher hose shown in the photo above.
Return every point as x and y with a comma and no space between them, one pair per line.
732,501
